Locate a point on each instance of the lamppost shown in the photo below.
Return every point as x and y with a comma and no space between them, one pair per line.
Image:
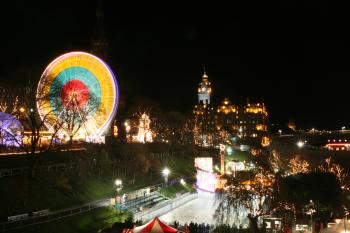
222,159
119,185
311,211
346,212
166,173
300,144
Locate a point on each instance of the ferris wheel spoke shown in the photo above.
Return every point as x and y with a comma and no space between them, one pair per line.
82,120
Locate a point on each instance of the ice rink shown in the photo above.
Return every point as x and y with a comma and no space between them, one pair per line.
200,210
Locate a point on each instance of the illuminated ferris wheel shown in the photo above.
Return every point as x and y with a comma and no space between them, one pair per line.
77,96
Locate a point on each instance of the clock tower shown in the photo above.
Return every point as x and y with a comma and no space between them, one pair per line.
204,90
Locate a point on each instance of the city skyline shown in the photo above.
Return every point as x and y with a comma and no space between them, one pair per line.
297,64
174,118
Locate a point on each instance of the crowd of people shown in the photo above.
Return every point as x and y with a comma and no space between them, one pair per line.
206,228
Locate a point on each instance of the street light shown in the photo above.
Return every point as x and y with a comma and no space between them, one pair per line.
311,211
118,184
182,181
166,173
346,212
300,144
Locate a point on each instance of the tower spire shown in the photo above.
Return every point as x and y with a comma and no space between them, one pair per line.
204,89
99,43
205,76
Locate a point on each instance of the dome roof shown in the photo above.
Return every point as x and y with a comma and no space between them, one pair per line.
11,130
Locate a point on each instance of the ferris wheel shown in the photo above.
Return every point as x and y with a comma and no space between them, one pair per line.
77,96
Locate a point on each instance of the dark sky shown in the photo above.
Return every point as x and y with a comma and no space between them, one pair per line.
294,55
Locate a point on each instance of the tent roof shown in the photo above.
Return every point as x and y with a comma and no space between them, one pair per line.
155,226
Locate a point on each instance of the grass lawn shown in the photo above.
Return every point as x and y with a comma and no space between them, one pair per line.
50,191
89,222
89,181
239,155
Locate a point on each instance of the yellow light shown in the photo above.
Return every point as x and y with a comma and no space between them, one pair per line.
260,127
118,182
115,131
21,109
182,181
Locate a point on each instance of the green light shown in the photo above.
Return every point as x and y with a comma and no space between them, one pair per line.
229,150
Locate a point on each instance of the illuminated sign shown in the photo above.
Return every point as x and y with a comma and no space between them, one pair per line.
206,179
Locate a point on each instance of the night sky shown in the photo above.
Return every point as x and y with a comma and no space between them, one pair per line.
292,55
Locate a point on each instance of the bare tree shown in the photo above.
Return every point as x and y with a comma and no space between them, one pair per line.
248,197
275,161
3,106
297,165
331,167
11,108
67,112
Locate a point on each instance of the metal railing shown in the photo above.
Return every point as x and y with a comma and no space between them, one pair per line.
51,216
34,218
46,168
165,207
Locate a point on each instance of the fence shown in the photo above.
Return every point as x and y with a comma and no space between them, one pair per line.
165,207
46,217
25,170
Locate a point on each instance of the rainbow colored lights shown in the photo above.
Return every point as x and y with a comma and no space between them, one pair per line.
81,83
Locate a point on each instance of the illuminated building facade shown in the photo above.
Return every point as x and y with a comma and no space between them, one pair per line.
226,116
144,131
204,90
244,121
204,113
338,145
253,121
